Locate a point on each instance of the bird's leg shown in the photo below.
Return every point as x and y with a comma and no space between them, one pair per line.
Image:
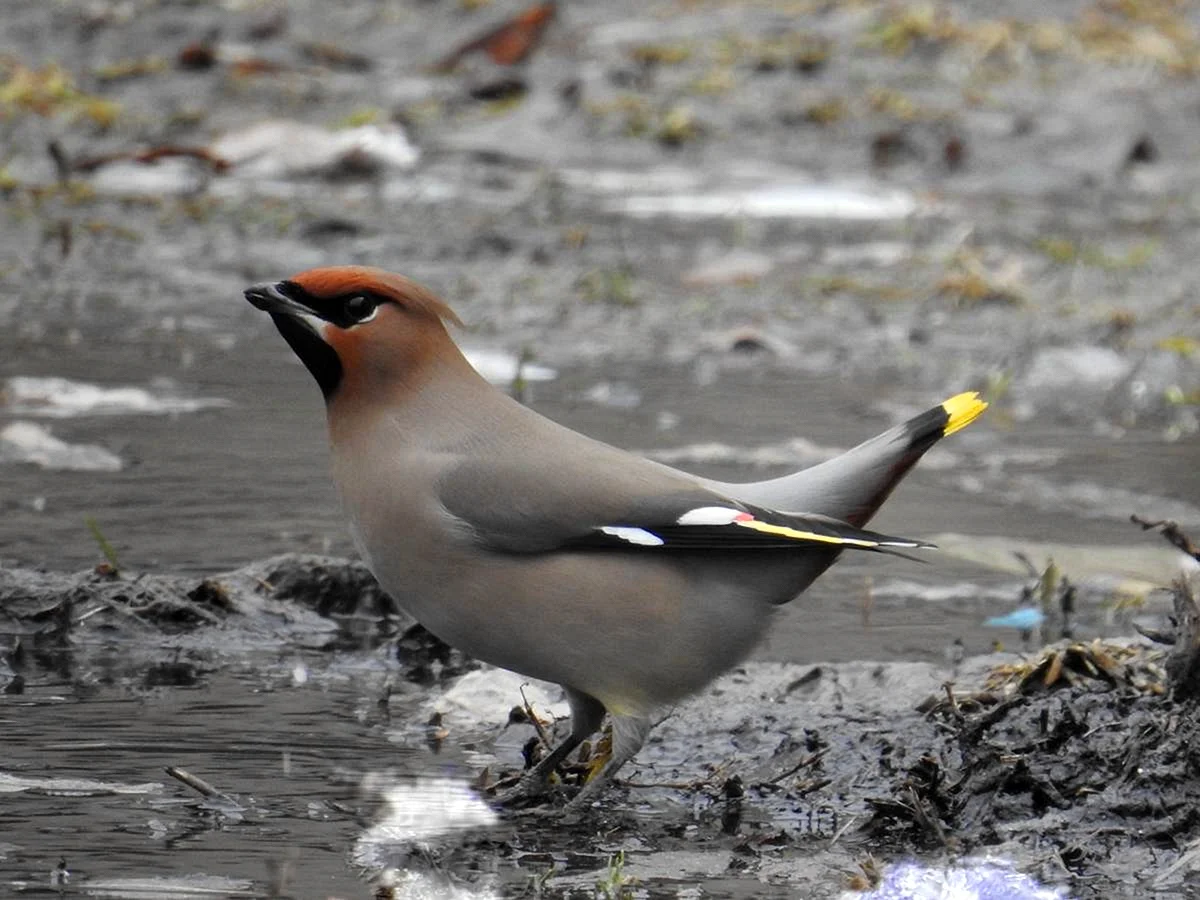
629,733
586,715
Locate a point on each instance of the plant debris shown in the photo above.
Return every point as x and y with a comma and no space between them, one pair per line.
507,44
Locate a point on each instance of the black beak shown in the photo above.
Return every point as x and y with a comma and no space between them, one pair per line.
269,298
299,326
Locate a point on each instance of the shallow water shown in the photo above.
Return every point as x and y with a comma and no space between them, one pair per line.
624,264
209,490
292,756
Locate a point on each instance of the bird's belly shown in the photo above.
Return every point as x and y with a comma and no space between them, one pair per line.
635,633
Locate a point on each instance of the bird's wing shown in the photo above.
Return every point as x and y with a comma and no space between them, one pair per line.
511,509
720,524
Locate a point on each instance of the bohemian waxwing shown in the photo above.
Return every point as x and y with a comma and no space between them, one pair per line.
537,549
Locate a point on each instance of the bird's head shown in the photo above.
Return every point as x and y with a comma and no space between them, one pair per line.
356,323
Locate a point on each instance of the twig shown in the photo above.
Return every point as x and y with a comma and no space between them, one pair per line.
837,834
694,785
199,785
1186,859
1171,532
948,687
810,760
152,155
1155,635
922,817
1034,571
536,722
62,163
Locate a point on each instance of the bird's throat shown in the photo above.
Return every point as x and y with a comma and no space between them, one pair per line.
318,357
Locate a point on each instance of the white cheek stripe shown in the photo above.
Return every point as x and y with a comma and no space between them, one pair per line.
316,323
710,515
634,535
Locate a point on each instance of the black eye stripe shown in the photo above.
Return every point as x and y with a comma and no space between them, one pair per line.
344,310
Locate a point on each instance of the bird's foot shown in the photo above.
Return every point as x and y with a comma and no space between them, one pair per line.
532,790
586,796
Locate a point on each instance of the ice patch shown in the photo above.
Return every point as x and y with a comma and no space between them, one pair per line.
617,394
26,442
970,880
622,181
475,698
425,808
954,592
169,887
71,787
753,194
778,201
1056,369
62,398
500,367
285,148
416,813
167,178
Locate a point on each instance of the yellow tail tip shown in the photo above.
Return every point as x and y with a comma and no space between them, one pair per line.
962,410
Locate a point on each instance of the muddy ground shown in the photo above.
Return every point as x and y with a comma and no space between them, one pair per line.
1075,765
806,219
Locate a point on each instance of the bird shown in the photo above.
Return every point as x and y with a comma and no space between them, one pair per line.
538,549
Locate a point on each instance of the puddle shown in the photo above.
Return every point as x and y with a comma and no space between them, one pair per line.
122,833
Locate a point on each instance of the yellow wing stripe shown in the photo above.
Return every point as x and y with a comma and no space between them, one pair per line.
962,410
784,531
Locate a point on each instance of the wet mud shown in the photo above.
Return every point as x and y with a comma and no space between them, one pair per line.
1077,763
735,236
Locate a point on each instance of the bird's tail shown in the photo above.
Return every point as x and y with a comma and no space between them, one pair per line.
851,487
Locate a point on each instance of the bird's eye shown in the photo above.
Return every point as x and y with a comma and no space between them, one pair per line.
360,308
